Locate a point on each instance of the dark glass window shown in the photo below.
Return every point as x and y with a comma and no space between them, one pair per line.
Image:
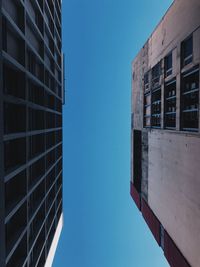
156,108
16,85
14,118
146,81
170,105
168,65
187,51
156,72
14,153
15,190
15,227
190,100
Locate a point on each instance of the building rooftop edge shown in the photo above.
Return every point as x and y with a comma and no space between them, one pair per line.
156,27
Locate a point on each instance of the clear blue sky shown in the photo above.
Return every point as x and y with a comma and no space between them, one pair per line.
102,226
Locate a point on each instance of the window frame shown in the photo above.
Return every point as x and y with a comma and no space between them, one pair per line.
168,70
186,59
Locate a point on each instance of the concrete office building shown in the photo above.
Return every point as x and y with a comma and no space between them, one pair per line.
31,96
165,178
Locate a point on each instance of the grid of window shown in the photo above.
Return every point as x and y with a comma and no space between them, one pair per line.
152,97
156,75
189,102
32,141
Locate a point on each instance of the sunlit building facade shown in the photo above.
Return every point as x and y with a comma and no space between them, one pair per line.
165,133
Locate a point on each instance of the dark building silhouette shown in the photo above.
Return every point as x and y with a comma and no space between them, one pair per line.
165,180
31,98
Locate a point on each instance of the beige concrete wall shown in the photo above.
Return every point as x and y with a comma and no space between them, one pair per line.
173,156
137,94
182,19
174,188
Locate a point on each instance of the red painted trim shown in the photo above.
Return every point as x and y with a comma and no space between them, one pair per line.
135,195
151,220
172,253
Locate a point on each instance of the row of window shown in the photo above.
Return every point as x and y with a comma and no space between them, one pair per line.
36,94
45,67
156,72
15,151
189,103
16,10
15,47
16,115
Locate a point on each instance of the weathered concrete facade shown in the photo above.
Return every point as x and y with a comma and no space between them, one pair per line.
166,132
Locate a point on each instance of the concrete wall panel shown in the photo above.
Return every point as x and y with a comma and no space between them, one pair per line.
174,188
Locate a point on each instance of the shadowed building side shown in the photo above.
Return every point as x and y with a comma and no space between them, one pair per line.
31,98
